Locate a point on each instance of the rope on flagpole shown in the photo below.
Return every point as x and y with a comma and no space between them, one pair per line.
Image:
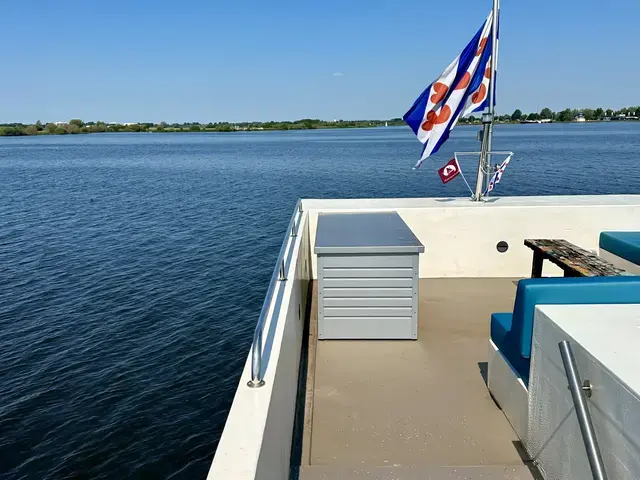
487,169
465,181
455,155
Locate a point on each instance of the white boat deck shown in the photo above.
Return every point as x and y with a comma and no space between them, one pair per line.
422,405
413,407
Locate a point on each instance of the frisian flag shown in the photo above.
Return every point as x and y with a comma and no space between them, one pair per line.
461,89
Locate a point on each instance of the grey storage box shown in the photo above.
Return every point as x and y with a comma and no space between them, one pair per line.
367,276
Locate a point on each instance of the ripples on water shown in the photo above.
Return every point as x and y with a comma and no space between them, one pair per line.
133,267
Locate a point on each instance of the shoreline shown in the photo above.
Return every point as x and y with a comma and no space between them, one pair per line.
22,131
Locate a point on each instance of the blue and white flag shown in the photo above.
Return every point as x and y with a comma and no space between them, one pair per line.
461,89
496,177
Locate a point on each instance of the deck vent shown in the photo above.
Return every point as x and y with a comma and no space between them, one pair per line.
502,246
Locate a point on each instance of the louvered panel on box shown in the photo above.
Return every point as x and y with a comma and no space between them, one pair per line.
372,272
369,261
365,292
383,282
368,301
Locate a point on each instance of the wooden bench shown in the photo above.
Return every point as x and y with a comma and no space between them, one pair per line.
573,260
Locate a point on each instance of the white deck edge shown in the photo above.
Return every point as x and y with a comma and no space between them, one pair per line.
374,204
258,431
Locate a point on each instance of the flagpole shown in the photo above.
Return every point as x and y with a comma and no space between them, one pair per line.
492,91
484,163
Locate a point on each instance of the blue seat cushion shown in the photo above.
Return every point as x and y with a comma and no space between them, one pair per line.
500,327
622,244
507,344
566,291
513,334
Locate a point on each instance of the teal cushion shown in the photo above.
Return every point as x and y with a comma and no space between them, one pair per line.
566,291
500,327
513,334
503,338
622,244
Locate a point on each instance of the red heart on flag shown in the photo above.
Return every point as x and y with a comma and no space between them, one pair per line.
464,81
430,121
445,113
435,119
440,90
483,44
479,96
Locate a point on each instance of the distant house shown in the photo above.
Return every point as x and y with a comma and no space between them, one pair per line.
580,118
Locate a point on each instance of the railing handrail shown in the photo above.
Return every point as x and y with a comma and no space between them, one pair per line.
279,275
582,411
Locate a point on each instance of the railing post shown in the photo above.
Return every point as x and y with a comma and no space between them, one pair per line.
283,274
256,362
296,225
582,411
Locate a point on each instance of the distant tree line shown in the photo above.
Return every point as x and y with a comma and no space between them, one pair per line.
566,115
76,126
569,115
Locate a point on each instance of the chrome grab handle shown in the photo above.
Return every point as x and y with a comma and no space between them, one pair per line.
279,275
578,392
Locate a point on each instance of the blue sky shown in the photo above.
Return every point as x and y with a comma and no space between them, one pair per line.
282,60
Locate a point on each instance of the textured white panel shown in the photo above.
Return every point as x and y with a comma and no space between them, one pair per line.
508,391
611,362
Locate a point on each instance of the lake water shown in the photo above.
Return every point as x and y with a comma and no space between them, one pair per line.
133,268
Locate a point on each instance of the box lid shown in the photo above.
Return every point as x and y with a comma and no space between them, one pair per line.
377,232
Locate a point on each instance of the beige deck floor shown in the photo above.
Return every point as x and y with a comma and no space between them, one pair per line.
414,403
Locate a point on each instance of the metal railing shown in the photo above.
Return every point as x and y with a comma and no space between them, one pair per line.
278,276
578,393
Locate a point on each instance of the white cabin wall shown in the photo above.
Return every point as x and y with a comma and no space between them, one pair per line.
460,236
